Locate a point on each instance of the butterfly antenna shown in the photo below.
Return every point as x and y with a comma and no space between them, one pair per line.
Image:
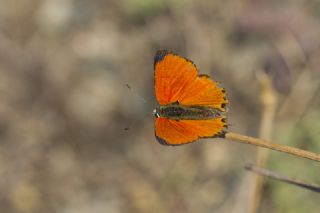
136,94
140,98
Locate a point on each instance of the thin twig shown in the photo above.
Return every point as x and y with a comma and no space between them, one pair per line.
276,176
282,148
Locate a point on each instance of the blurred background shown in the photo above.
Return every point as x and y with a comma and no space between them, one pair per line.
76,101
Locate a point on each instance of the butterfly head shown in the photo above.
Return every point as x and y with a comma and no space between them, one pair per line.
156,112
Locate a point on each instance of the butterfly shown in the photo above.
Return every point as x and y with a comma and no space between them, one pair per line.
192,105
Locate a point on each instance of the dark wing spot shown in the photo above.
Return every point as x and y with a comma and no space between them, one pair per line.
221,134
161,141
160,54
224,120
204,76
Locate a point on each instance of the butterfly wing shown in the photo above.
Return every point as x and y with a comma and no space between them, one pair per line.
178,132
177,80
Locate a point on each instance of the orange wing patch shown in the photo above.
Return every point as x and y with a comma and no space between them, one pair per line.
172,74
177,80
178,132
204,92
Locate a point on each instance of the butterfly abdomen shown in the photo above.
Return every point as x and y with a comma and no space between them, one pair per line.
180,112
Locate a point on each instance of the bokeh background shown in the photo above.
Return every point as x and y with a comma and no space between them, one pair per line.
76,101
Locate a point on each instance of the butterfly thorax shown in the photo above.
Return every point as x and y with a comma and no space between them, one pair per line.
180,112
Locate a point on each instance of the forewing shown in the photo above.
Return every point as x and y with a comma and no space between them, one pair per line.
178,132
173,74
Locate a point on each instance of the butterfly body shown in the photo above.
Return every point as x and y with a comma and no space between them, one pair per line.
180,112
191,104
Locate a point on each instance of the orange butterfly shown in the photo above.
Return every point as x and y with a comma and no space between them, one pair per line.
191,105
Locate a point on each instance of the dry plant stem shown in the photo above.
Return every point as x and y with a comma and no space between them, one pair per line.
276,176
268,97
278,147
